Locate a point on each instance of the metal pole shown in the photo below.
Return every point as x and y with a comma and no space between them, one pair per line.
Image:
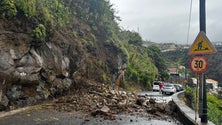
203,81
202,16
197,96
204,111
200,96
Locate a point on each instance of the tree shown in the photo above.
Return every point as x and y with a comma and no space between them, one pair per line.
135,38
156,55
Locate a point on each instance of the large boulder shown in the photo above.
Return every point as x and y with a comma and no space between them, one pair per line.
28,68
15,93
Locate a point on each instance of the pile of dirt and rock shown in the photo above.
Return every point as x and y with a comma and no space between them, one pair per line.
102,101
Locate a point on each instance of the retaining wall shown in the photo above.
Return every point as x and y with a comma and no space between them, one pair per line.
185,113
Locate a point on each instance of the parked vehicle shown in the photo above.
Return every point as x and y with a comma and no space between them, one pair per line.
156,85
169,89
178,87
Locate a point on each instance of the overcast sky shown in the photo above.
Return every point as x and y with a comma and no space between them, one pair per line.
165,21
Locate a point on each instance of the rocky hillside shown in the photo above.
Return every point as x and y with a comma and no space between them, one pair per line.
50,47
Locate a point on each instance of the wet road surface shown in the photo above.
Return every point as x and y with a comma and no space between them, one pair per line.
159,98
38,115
52,117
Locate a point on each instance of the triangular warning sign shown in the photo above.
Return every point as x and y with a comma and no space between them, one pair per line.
202,45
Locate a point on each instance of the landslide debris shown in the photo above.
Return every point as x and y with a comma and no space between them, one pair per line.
103,101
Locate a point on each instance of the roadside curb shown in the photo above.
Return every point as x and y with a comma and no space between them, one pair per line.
13,112
185,113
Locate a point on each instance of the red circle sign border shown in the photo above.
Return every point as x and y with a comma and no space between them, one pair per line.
201,71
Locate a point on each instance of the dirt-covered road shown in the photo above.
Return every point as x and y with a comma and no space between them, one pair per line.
94,106
43,116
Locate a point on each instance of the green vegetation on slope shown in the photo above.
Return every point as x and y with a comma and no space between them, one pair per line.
92,24
214,105
158,59
145,64
180,57
214,109
141,70
8,9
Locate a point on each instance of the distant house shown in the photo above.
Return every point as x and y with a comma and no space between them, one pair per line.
169,47
172,70
182,67
211,84
174,75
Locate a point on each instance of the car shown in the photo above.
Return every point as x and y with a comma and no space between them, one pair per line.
169,89
156,85
178,87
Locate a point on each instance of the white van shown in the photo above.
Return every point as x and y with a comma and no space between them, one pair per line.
156,85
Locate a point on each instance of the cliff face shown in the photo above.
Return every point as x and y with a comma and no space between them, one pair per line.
48,48
31,70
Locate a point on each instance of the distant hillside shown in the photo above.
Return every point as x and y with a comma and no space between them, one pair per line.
180,57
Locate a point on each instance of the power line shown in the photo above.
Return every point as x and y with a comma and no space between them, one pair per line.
188,32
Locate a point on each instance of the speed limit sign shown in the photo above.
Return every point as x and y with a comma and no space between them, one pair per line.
198,64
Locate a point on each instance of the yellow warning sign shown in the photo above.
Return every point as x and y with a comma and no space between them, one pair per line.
202,45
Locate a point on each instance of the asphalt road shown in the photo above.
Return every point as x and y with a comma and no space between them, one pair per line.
38,115
159,98
52,117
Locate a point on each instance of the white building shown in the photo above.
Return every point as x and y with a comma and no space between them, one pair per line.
208,82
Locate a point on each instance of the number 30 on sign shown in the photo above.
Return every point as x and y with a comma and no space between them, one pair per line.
198,64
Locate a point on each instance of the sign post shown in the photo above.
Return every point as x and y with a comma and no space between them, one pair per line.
199,64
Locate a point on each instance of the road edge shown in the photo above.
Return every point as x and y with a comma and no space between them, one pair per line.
185,113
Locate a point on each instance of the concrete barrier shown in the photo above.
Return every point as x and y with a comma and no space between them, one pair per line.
185,113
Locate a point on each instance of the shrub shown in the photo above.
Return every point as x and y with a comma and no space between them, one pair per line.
39,31
7,9
190,97
27,7
39,34
214,109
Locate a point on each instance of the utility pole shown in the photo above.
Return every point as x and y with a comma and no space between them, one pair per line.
202,88
202,16
204,96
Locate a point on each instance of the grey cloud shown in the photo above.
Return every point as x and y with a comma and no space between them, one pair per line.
167,20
